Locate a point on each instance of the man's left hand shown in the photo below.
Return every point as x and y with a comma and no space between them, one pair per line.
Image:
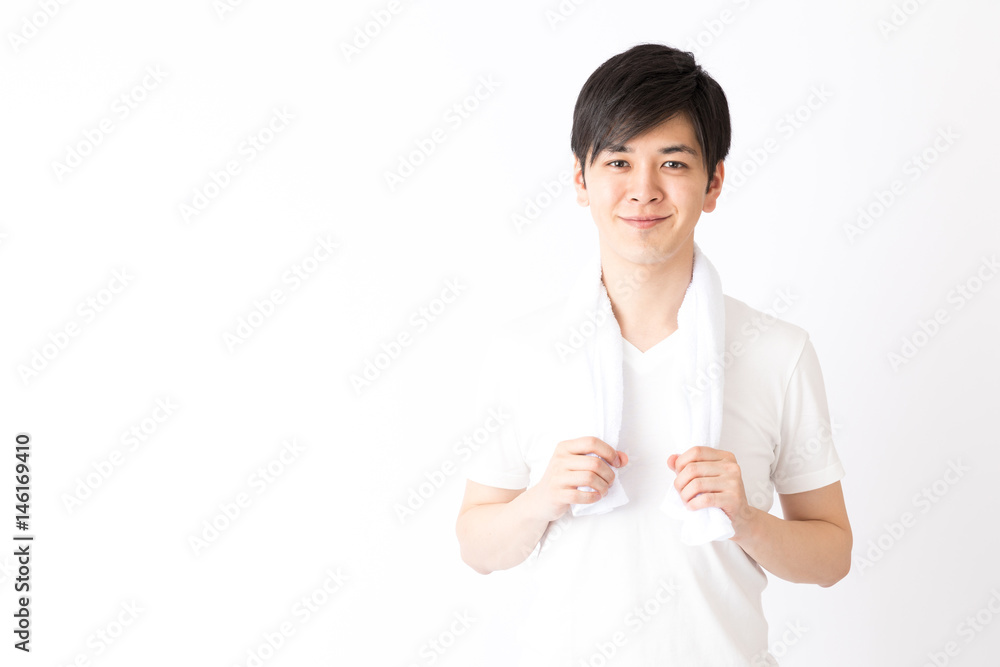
708,477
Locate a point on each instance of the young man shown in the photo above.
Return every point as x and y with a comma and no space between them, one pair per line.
650,132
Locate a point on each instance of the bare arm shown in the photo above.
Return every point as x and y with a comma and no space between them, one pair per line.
812,544
495,528
499,528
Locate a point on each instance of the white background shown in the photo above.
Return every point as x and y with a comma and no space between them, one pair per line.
162,336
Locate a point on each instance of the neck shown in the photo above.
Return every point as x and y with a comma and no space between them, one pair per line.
645,298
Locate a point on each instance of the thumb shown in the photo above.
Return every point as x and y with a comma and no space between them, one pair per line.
622,459
671,460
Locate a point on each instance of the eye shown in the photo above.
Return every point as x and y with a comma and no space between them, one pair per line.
615,163
679,165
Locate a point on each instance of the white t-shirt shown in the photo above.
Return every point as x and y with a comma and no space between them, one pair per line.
620,588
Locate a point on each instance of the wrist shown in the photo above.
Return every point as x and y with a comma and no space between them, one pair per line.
745,526
531,505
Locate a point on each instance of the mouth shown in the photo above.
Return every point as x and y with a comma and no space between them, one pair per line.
643,221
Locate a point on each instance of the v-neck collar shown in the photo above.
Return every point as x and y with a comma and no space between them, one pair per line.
652,356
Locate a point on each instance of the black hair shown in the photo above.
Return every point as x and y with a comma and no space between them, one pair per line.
637,90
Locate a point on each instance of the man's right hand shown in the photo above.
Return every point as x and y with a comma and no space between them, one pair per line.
571,467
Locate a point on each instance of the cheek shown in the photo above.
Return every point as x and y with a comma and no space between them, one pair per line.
605,196
691,196
685,204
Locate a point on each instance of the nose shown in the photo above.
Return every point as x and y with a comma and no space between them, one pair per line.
644,186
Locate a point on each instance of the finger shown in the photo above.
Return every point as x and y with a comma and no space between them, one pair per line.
697,470
698,486
593,445
595,465
578,497
725,468
571,466
578,478
703,500
697,453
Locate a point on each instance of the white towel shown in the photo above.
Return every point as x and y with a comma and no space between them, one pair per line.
701,321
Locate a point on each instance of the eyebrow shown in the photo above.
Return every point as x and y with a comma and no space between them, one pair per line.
675,148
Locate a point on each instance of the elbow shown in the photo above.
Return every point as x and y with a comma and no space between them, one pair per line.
836,576
472,562
464,551
479,569
843,564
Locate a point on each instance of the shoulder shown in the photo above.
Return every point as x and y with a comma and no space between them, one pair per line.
761,340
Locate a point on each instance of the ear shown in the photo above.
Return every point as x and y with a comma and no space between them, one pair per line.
582,197
714,187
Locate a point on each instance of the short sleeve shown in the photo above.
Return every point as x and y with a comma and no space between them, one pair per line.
499,461
806,457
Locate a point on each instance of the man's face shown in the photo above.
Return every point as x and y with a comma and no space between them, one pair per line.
658,175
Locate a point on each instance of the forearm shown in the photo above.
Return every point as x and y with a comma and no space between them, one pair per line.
501,535
809,552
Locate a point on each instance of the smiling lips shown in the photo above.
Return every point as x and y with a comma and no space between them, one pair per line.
643,221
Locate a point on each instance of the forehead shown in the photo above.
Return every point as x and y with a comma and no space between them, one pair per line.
674,135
